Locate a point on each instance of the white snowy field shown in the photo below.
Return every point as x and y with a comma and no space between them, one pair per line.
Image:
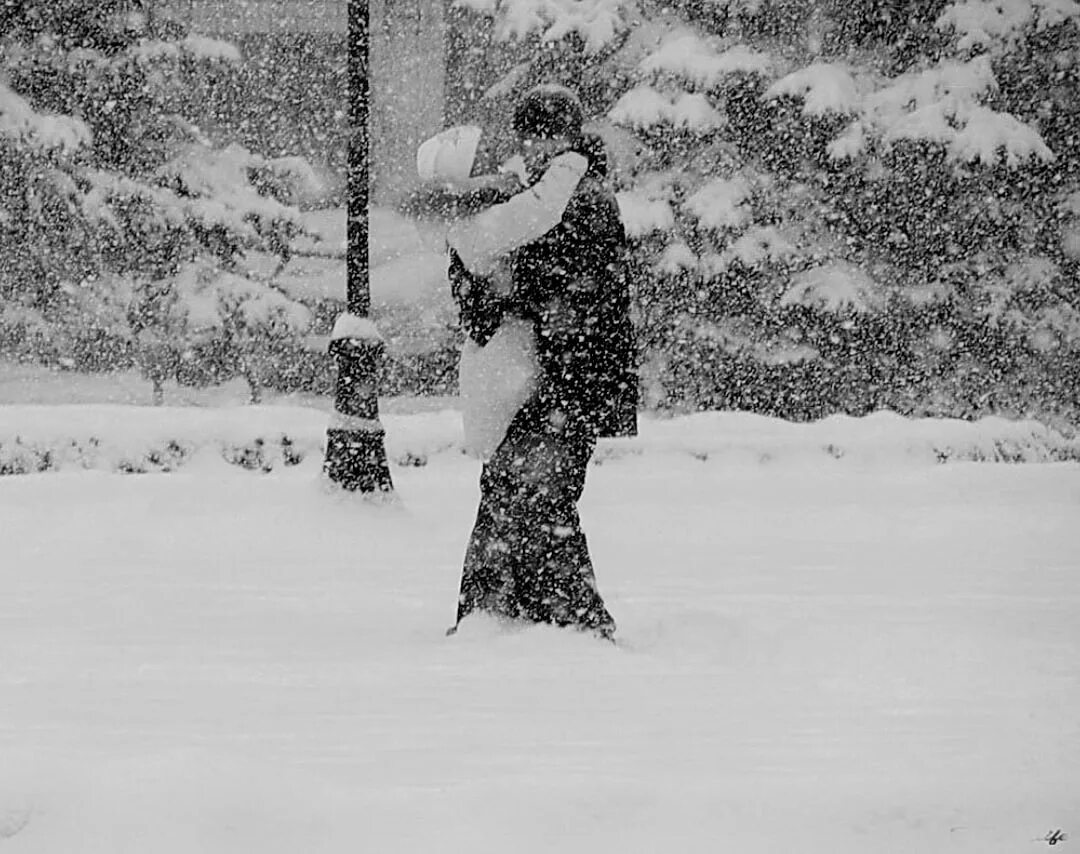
866,654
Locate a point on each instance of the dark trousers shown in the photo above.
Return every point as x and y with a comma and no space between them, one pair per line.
527,558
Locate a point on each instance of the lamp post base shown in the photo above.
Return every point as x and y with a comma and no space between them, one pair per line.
355,440
356,460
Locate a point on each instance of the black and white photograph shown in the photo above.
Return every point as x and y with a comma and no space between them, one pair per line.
539,426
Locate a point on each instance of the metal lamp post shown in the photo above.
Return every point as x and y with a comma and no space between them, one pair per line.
355,440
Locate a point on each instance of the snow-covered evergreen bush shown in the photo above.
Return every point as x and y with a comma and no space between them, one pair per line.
122,228
838,206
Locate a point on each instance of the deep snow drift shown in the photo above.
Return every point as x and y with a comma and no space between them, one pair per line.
864,654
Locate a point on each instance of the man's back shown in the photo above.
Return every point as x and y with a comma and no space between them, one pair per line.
573,283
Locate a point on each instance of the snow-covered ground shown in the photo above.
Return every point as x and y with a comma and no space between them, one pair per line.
874,653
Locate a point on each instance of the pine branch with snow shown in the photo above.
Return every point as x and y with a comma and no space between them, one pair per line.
997,25
130,223
21,124
596,22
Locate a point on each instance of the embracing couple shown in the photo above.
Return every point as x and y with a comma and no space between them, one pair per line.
539,275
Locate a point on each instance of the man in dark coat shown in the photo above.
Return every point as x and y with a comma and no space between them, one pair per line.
527,557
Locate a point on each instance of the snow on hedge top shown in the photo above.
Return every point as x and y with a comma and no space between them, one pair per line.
264,438
824,88
597,22
354,326
691,58
20,122
999,23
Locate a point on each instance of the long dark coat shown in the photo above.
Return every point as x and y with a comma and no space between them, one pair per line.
527,556
573,283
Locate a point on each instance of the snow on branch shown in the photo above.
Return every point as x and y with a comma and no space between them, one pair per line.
990,24
355,327
694,113
851,143
756,248
287,179
196,47
689,57
934,122
676,258
107,189
297,170
972,134
196,299
202,47
834,287
209,299
823,87
645,108
953,81
759,245
643,213
218,187
942,105
721,204
642,108
20,122
260,309
987,133
1071,204
597,28
918,105
1054,325
596,22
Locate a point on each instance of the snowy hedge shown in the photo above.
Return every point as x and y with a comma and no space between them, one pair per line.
134,439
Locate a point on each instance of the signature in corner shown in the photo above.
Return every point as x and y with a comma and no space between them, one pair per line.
1054,837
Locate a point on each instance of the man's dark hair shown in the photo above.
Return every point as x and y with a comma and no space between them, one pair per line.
549,111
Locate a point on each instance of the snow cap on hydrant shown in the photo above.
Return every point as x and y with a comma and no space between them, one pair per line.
449,155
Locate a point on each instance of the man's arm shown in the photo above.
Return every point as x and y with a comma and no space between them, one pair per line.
529,215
